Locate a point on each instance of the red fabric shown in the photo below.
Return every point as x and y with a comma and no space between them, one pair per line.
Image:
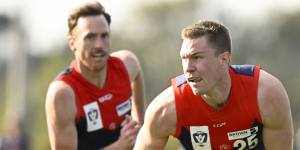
117,84
238,113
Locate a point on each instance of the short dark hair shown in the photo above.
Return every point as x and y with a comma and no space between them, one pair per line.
87,9
216,34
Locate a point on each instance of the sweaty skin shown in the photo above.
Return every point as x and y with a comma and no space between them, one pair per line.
90,44
208,76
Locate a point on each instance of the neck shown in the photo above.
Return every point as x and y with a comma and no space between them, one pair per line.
96,77
218,96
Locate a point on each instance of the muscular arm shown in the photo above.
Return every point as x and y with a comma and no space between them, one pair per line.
137,83
160,123
127,137
276,113
60,113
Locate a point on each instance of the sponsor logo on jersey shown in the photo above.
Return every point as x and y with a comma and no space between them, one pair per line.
124,107
112,126
218,125
105,97
200,137
93,116
242,133
225,147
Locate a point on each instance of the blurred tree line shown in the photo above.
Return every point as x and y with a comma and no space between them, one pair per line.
152,31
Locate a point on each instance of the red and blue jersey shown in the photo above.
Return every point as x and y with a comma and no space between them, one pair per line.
236,125
100,111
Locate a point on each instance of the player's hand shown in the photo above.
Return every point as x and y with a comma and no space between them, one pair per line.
128,133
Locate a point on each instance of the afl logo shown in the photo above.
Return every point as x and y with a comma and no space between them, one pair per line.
200,138
93,115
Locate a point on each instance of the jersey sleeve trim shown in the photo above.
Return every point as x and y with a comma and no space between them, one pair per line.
176,82
244,69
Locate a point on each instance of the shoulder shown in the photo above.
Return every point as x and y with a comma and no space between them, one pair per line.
60,100
272,99
161,114
124,55
60,89
130,61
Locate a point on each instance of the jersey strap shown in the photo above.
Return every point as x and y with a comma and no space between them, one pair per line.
68,70
244,69
179,80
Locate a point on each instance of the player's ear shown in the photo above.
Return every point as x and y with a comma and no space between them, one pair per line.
71,42
225,58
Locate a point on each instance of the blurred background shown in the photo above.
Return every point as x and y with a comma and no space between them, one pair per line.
33,50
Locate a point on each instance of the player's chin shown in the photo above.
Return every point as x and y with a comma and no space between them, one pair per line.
97,66
197,91
98,69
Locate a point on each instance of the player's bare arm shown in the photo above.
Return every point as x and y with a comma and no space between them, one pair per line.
61,112
159,124
127,136
137,83
276,113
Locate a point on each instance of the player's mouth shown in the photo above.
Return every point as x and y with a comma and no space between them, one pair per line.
194,79
98,56
95,55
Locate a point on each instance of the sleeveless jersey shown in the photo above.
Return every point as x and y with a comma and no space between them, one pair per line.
100,111
237,125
